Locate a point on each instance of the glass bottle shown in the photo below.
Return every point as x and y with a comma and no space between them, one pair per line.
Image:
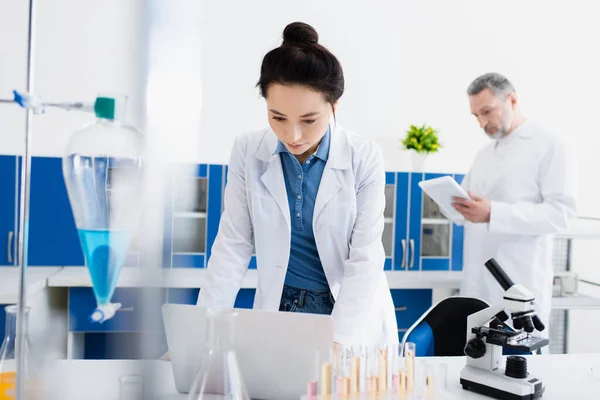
102,169
8,365
219,372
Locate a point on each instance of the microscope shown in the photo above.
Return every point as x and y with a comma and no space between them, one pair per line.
488,333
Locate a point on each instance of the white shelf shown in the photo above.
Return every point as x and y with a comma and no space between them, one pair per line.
435,221
183,214
36,281
583,228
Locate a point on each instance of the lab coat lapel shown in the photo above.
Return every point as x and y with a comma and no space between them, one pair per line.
338,159
272,178
328,188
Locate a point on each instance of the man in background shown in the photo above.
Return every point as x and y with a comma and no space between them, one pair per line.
522,187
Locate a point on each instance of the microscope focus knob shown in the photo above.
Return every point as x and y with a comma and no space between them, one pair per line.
475,348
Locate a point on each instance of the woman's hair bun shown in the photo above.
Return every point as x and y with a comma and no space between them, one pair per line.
299,33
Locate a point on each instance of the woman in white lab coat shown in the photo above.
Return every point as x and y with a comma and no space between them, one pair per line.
308,196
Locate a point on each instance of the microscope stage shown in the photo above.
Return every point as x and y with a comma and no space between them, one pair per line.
499,386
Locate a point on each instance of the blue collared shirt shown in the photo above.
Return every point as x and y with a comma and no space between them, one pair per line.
305,270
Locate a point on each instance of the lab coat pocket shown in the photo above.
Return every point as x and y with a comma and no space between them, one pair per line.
338,216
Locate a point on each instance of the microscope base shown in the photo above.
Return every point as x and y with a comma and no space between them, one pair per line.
499,386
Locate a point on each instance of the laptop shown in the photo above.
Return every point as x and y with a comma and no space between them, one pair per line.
276,351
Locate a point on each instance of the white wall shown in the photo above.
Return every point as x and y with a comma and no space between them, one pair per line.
410,62
83,47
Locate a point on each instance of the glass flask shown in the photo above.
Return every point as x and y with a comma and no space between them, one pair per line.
219,372
102,169
8,364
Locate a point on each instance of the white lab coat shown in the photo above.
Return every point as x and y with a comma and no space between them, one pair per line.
530,179
347,223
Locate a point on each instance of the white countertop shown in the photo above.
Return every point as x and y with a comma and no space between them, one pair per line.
566,376
194,278
10,278
583,228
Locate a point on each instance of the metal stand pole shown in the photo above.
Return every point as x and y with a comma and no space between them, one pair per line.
24,207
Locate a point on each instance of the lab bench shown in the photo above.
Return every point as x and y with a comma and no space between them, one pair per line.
412,292
47,308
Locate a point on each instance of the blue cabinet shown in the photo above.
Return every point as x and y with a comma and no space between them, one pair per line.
244,299
192,215
136,314
410,304
53,238
401,250
2,322
425,240
8,207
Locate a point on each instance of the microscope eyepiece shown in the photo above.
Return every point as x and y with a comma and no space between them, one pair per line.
499,274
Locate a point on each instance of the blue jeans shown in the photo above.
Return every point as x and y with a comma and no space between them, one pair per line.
306,301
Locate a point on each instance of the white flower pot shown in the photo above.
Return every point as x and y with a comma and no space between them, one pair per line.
418,161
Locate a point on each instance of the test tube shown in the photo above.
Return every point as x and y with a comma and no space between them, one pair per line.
397,362
375,385
355,373
367,361
131,387
409,357
430,381
441,376
358,352
338,364
383,368
312,387
403,384
326,380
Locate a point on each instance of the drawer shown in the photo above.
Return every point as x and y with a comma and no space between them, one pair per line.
252,264
2,321
124,345
134,306
410,304
435,264
188,260
388,264
245,297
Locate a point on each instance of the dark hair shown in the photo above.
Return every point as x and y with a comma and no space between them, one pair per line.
303,61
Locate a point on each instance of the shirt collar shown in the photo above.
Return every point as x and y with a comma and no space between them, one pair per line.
322,151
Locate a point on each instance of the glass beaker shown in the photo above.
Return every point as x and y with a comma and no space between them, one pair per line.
102,169
131,387
8,364
219,371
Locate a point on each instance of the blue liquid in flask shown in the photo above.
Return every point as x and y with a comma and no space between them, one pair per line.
105,252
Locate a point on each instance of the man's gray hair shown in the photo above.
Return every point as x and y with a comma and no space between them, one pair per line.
497,83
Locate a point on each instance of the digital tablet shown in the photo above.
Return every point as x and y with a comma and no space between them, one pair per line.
442,190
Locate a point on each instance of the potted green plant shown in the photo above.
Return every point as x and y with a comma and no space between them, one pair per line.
421,141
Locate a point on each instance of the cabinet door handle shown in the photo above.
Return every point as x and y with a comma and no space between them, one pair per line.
402,308
403,263
412,253
9,248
